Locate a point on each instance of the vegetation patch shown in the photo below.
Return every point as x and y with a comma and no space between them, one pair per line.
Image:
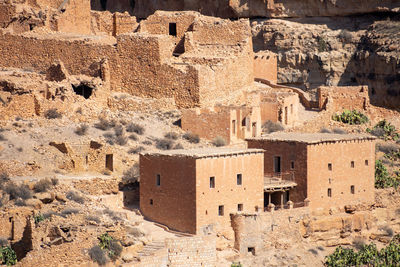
71,195
352,117
271,127
191,138
135,128
42,186
164,144
368,255
108,247
7,256
219,141
382,177
81,130
385,130
52,114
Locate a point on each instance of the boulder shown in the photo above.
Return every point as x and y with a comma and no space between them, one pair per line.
33,202
61,197
45,197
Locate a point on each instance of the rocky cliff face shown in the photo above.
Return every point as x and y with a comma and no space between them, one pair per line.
252,8
331,51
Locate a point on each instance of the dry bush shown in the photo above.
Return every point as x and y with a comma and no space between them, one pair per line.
54,181
4,179
93,218
191,138
98,255
219,141
121,140
3,242
178,146
118,130
147,142
164,144
75,196
135,128
172,136
2,138
104,124
20,202
325,130
82,129
136,150
339,131
69,211
115,248
388,148
133,137
20,149
270,127
17,191
42,186
52,114
131,175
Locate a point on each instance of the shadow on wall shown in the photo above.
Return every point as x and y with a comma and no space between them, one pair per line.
113,5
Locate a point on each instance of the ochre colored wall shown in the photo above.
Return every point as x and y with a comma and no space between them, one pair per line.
226,191
266,66
342,176
338,98
174,202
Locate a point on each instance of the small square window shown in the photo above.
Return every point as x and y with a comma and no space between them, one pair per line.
292,165
158,180
352,164
330,180
151,202
221,210
352,189
329,192
366,162
330,166
239,179
212,182
172,29
240,207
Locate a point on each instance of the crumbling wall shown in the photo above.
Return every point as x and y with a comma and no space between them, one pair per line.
13,107
337,98
266,66
75,17
112,23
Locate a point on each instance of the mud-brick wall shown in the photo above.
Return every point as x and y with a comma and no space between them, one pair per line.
266,66
76,17
338,98
192,251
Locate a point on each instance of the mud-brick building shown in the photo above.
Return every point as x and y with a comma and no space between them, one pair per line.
325,170
195,190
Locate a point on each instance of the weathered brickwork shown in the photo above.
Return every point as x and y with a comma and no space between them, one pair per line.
330,170
198,189
346,97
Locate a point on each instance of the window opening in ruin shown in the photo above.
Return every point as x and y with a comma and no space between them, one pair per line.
277,164
172,29
292,165
158,180
239,179
240,207
286,115
266,199
234,126
151,201
212,182
206,212
330,180
254,127
221,210
329,192
83,90
87,160
366,162
330,166
352,164
287,197
252,250
352,190
291,108
110,162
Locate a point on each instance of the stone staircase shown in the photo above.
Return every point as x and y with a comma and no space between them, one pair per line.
151,249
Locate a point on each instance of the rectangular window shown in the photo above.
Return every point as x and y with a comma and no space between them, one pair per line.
239,179
329,192
172,29
221,210
366,162
352,190
292,165
151,202
158,179
277,164
233,126
212,182
352,164
291,108
330,166
240,207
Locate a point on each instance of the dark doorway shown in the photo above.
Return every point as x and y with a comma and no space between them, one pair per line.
103,4
110,162
172,29
83,90
252,250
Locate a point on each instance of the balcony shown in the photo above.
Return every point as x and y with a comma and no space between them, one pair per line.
282,182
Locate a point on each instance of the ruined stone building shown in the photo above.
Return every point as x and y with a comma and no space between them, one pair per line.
195,191
91,157
326,170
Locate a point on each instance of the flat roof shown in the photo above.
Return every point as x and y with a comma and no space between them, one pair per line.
204,152
313,138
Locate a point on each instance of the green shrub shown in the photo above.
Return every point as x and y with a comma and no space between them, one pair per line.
52,114
382,177
219,141
191,138
350,117
322,45
236,264
7,256
384,130
271,127
39,218
111,246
